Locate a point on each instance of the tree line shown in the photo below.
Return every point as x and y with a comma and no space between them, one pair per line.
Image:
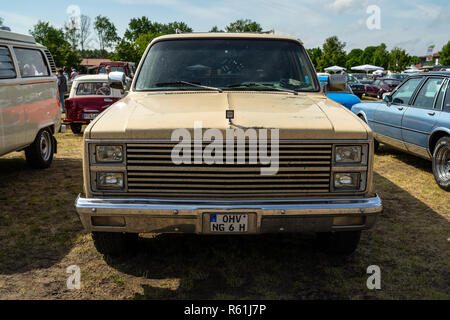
79,37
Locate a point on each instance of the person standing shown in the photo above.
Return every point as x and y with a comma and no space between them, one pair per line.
62,89
73,74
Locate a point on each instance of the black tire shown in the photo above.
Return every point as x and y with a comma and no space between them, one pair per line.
75,127
114,244
343,242
441,163
39,154
376,145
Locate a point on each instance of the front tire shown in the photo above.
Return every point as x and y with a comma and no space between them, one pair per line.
441,163
75,127
39,154
114,244
343,242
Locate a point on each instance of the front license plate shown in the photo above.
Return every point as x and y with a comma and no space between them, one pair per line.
89,116
225,222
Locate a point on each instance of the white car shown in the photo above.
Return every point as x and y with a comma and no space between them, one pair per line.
29,111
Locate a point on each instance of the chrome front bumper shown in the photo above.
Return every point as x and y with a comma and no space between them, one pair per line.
192,216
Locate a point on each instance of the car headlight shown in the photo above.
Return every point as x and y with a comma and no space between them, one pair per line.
348,154
110,180
347,180
109,153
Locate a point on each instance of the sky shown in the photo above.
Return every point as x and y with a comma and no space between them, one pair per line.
410,24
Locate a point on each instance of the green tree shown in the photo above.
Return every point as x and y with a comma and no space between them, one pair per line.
106,32
381,56
85,31
55,41
315,54
445,55
172,28
215,29
1,21
332,53
354,58
399,60
246,25
138,26
72,32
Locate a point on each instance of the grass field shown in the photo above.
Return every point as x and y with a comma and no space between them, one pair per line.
40,236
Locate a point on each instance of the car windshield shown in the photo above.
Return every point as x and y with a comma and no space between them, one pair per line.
93,89
352,79
113,69
392,82
227,64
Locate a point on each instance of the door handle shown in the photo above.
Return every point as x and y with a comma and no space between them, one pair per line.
400,108
431,113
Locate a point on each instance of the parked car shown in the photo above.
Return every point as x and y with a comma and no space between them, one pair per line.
90,96
357,87
381,86
29,111
118,66
230,82
399,76
416,118
342,95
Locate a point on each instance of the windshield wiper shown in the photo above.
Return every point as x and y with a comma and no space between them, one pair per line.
268,86
164,84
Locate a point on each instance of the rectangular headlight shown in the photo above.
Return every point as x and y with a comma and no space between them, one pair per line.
110,180
109,153
347,181
348,154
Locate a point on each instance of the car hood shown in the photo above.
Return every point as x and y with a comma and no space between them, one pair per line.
144,115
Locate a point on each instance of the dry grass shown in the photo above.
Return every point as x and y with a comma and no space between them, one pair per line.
40,236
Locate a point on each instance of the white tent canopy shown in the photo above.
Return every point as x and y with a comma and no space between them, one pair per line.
335,69
367,68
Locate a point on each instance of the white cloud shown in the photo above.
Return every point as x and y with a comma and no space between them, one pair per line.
19,20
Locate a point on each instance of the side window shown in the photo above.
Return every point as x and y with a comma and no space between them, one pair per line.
403,94
441,96
31,63
427,94
7,70
447,99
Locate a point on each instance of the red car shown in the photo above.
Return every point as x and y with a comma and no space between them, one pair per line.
89,96
381,86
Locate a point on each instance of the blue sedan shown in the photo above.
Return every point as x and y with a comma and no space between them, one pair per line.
415,118
346,98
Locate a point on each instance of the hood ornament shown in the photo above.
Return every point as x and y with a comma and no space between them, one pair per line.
230,116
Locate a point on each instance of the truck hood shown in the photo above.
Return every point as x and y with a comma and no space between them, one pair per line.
144,115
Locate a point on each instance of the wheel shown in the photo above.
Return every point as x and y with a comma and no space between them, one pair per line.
343,242
376,145
75,127
39,154
441,163
113,244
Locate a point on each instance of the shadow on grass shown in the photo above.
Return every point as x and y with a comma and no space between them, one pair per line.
409,243
405,157
38,224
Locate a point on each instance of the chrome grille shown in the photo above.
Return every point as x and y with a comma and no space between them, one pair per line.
304,168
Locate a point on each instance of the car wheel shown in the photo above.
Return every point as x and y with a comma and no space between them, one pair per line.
441,163
76,128
114,244
342,242
39,154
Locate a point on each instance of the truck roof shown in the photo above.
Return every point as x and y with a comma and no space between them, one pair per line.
226,35
12,36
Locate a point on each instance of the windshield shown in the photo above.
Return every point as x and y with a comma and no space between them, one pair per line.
228,64
392,82
352,79
113,69
93,89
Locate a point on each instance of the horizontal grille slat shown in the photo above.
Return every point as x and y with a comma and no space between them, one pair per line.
303,169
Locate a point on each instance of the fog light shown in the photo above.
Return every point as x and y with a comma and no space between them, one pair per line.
110,180
108,221
348,221
347,180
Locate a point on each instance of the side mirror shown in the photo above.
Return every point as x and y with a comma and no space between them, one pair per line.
388,98
117,80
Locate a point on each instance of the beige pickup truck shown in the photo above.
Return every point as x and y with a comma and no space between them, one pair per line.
226,133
